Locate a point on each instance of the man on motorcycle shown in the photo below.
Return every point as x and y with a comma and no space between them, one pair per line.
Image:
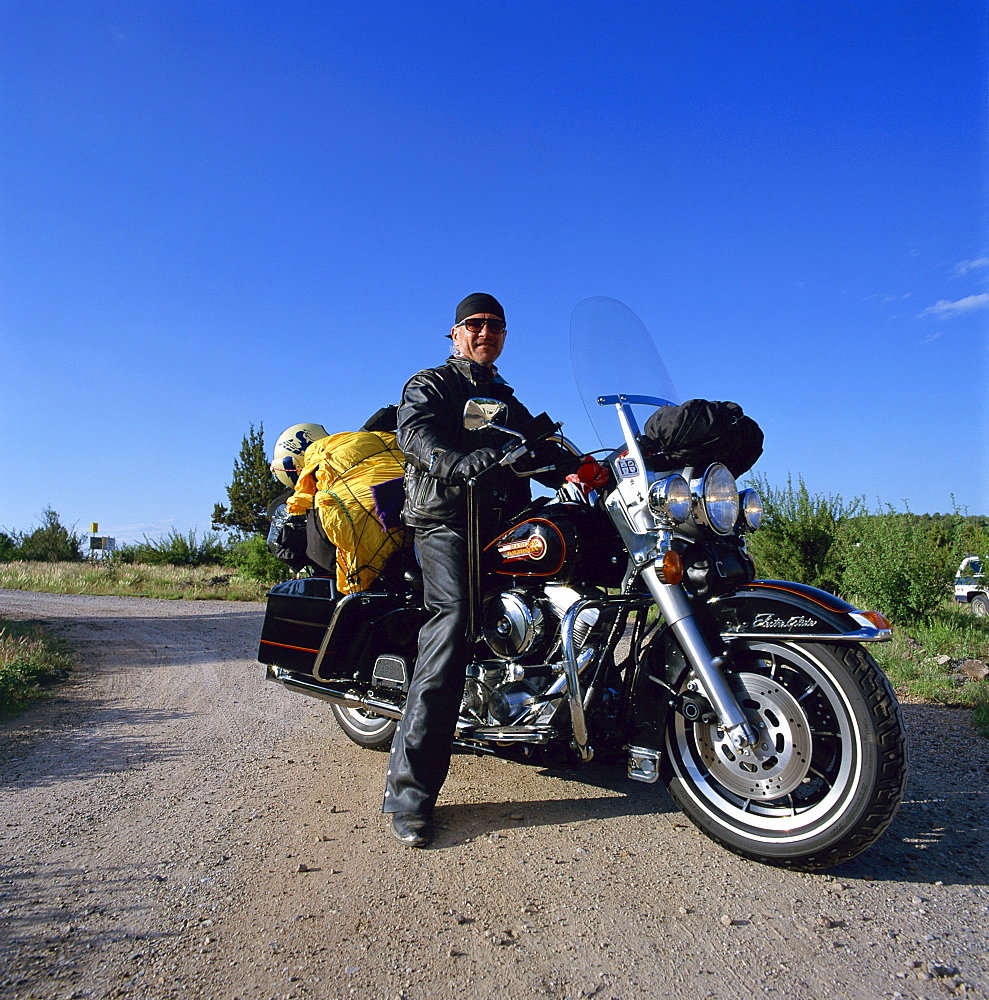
441,458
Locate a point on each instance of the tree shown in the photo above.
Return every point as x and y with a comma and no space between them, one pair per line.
252,488
8,547
51,542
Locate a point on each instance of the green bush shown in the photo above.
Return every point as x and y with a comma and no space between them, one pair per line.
174,549
799,534
51,542
971,539
897,564
252,558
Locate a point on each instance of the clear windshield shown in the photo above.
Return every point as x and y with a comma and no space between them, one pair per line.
613,354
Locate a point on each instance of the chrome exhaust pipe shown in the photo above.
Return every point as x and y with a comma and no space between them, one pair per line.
335,696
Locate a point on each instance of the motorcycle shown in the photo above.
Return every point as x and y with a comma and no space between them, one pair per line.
624,618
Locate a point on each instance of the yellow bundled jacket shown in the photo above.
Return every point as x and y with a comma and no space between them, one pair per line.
336,477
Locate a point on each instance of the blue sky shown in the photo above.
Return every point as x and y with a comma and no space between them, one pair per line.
214,214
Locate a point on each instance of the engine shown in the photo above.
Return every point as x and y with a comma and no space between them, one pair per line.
521,628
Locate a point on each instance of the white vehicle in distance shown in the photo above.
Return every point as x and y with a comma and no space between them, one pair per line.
971,587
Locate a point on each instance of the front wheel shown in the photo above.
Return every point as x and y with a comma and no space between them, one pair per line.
373,732
980,605
827,774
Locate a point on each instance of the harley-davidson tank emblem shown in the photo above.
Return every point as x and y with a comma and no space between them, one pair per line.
532,547
768,620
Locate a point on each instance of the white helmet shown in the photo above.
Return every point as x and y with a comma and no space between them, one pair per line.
289,448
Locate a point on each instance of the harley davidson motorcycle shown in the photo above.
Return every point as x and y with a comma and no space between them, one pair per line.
628,620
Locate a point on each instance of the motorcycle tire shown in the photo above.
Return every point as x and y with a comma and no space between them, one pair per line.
373,732
827,777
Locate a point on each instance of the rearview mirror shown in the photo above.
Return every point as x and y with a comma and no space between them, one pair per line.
480,413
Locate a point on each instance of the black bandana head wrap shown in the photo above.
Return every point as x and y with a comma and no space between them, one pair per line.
479,302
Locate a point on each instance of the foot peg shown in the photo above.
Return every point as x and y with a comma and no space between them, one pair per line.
643,764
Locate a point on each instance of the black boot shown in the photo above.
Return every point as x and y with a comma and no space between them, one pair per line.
412,829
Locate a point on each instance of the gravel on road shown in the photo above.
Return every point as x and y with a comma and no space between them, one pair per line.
173,825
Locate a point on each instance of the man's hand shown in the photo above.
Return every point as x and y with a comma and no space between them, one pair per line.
472,465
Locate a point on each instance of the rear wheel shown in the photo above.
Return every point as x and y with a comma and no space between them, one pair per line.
374,732
826,777
980,605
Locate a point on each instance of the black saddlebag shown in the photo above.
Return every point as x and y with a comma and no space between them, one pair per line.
295,622
354,631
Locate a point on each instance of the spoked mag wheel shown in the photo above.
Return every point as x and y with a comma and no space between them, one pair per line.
827,774
374,732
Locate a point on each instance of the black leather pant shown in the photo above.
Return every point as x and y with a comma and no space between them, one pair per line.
420,753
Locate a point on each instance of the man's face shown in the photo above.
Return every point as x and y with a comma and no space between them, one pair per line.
483,346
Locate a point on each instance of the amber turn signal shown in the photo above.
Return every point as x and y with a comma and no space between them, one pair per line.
672,567
877,619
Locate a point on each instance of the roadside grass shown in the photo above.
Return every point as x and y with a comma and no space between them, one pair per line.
910,660
31,660
110,578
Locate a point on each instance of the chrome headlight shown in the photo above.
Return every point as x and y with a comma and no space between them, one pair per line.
715,499
752,509
669,499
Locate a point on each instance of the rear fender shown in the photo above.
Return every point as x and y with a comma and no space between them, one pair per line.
778,609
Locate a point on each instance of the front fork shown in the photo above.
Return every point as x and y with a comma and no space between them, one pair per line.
679,616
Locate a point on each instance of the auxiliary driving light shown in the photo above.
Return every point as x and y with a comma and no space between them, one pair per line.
669,499
752,509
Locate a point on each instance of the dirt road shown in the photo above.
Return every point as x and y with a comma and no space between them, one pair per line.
175,826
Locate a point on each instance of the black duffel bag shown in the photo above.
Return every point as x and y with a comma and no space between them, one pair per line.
702,431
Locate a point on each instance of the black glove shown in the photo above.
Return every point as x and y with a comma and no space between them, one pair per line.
455,466
472,465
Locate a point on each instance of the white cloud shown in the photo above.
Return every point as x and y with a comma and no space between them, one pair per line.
971,303
971,265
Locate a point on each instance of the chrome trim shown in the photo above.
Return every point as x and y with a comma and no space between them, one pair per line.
699,500
679,615
506,734
623,398
565,442
481,412
571,671
643,764
662,505
643,543
331,626
335,696
861,635
866,632
389,710
747,516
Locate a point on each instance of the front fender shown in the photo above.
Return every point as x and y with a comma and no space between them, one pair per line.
761,610
778,609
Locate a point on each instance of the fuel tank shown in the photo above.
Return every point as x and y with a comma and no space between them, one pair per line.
566,543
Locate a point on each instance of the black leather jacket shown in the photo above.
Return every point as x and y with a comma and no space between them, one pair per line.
432,437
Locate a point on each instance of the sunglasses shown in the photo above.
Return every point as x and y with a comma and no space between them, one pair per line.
477,325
